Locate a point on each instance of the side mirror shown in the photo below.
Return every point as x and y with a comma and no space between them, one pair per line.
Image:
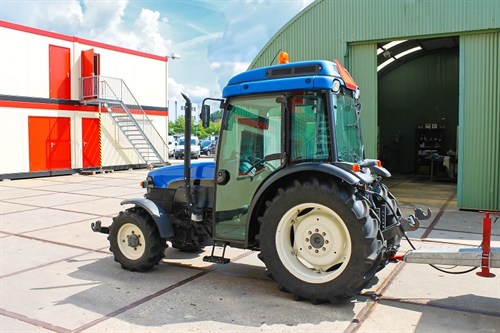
205,115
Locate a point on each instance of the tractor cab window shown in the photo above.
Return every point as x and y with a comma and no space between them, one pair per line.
310,140
252,129
348,127
249,150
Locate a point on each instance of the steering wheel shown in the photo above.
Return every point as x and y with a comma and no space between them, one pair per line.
246,165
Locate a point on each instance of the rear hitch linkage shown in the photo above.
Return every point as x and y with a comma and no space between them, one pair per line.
97,227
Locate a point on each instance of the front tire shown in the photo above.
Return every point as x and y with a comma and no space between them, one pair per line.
134,241
319,242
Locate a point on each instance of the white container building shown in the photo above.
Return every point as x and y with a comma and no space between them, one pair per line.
69,104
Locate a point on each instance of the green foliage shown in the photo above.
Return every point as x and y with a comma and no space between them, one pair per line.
216,116
178,127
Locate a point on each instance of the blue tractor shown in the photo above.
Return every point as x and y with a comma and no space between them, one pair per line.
290,180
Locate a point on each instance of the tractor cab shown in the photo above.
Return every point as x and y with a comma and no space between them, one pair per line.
279,121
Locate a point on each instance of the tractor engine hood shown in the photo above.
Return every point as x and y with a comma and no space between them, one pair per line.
162,177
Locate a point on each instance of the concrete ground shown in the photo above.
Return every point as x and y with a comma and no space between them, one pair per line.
58,276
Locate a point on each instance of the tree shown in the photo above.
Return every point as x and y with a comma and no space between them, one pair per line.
214,129
216,116
178,127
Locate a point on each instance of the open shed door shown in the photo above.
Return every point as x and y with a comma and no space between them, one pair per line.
362,65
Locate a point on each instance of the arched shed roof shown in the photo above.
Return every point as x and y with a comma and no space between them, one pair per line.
325,27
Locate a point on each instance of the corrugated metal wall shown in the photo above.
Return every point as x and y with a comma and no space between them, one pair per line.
329,29
479,116
361,61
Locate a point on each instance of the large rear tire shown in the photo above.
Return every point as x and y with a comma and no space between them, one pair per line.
319,242
134,241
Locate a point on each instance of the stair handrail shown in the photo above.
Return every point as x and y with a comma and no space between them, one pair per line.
127,111
98,92
144,114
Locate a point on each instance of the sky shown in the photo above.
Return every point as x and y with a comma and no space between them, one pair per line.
216,39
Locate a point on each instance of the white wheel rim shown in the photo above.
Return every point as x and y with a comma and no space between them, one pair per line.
315,246
131,241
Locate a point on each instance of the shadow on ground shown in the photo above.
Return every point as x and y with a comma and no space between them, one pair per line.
236,293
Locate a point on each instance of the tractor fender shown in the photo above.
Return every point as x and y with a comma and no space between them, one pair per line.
324,168
161,219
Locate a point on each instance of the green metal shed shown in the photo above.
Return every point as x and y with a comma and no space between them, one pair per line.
458,59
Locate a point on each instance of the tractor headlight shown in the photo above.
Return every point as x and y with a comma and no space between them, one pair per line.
356,93
151,183
336,86
148,183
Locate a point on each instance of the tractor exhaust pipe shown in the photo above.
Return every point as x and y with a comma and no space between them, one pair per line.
196,214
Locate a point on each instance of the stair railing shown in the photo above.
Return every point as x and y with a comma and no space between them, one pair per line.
114,90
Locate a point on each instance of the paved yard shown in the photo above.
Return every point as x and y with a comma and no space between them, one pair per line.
58,276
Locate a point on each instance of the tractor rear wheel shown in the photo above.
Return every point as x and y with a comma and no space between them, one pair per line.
319,242
134,241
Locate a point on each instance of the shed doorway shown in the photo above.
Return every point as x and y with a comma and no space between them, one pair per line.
418,103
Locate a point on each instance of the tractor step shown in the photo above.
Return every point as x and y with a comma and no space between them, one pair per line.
217,259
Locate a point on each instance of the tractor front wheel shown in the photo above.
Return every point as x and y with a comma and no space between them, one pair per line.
134,241
319,242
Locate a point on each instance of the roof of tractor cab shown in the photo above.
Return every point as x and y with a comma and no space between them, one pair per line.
311,75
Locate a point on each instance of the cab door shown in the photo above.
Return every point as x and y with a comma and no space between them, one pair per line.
250,149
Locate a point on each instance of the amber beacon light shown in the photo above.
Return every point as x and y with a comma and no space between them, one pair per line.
283,58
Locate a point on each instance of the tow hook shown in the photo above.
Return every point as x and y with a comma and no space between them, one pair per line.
97,227
419,214
412,222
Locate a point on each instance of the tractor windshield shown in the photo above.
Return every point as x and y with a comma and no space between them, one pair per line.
348,127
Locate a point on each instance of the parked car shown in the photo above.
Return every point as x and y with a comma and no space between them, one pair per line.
171,145
195,148
208,147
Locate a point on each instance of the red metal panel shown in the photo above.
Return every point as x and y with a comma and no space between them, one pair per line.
59,72
60,136
88,63
49,143
90,142
39,141
87,60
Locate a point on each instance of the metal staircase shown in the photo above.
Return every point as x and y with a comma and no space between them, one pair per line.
114,95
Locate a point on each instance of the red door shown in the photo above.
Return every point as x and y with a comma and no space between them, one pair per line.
59,72
90,68
49,143
90,142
